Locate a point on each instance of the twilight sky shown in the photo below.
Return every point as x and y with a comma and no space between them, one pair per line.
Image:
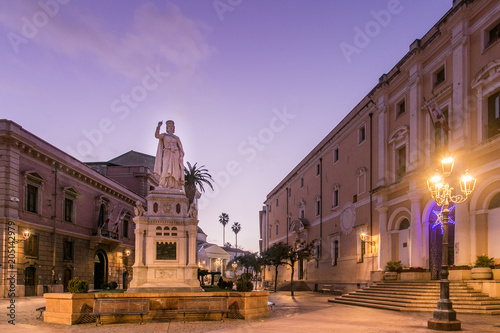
252,86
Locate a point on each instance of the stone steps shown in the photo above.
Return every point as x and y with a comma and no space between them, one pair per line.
420,297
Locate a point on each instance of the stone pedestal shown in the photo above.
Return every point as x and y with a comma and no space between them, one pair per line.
165,245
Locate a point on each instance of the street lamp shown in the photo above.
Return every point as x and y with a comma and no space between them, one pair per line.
444,317
26,235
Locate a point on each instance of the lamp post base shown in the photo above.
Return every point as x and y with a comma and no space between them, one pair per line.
444,325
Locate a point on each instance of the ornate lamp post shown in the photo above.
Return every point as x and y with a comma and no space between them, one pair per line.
444,317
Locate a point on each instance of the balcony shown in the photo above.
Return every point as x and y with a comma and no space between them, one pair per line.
104,236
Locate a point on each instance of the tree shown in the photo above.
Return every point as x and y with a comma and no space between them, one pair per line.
236,228
250,261
196,177
300,251
276,255
224,219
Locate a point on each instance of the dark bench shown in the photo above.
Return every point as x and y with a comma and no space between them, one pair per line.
41,309
120,307
202,305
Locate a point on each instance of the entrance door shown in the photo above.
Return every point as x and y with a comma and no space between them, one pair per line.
403,247
29,281
66,277
436,240
125,276
100,269
493,232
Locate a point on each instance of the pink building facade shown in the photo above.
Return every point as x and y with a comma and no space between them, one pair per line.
80,222
368,175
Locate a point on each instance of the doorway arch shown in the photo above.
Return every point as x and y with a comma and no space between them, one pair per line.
100,269
29,281
67,276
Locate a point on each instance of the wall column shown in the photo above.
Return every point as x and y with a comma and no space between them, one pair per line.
462,235
416,252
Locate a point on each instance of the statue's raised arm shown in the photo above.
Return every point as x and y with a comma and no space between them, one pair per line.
169,165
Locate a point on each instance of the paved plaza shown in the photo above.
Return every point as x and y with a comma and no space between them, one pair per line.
306,312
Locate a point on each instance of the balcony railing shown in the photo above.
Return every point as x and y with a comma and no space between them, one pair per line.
105,233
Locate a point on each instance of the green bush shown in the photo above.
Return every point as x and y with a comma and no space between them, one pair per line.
393,266
484,261
246,276
104,286
113,285
244,286
77,286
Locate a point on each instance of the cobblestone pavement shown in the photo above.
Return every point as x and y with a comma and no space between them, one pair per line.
306,312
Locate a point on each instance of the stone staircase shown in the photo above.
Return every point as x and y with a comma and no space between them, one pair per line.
420,296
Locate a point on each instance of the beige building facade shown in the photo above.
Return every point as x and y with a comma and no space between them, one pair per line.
368,175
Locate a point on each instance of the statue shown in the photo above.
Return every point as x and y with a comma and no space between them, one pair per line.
139,209
192,212
169,165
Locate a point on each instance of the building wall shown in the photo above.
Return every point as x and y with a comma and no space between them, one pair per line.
26,160
399,213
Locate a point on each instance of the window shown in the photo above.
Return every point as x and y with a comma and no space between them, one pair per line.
400,108
302,213
31,246
70,195
335,197
494,115
301,182
336,155
401,162
318,207
438,77
289,192
277,228
441,136
335,254
126,220
492,35
288,222
276,202
361,134
103,211
32,199
67,250
318,169
361,180
270,230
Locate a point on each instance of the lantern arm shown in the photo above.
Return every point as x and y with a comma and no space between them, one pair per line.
457,199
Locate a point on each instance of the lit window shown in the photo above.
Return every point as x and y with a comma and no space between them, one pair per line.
31,246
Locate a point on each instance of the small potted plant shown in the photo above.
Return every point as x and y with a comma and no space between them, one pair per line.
392,268
482,268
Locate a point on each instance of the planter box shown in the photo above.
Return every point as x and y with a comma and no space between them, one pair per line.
481,273
415,276
71,309
390,275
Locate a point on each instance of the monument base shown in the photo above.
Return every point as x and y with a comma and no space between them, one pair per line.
159,278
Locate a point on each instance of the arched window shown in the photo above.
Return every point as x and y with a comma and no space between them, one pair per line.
405,224
495,202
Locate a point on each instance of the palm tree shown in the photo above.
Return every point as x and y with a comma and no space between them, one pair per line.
195,177
236,228
224,219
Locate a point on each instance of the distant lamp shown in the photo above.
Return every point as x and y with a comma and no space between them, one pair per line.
26,236
366,238
127,253
467,183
